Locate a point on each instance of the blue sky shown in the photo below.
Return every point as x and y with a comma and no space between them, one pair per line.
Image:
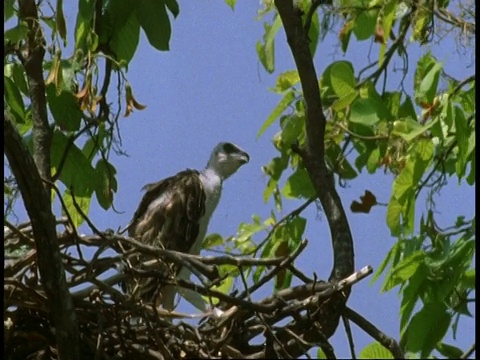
210,87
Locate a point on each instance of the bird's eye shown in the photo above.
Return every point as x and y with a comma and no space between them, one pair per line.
229,148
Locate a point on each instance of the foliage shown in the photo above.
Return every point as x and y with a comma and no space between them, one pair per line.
424,137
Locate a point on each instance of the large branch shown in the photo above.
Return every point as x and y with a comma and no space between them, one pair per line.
32,60
52,272
314,152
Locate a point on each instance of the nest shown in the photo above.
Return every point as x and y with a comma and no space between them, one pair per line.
114,326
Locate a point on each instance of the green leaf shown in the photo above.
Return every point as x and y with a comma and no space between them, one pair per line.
65,109
342,78
364,111
299,185
413,129
266,51
8,9
375,350
404,270
83,23
365,24
373,161
125,41
106,184
286,80
426,79
449,351
231,3
389,258
387,21
14,98
153,18
16,34
427,328
77,172
345,101
411,294
313,33
83,202
462,133
279,109
212,240
16,72
394,210
173,7
404,181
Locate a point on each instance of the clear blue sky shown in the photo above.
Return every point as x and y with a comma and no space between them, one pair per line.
211,87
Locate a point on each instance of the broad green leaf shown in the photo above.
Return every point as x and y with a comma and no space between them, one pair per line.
212,240
298,185
173,7
14,98
231,3
413,129
404,181
65,109
293,127
373,161
83,22
106,184
365,24
60,22
345,101
407,109
468,279
449,351
8,9
125,41
82,201
16,34
410,295
364,111
16,72
313,33
266,51
389,258
77,172
375,350
426,79
295,229
427,328
279,109
404,270
462,133
286,80
394,210
153,18
387,21
342,78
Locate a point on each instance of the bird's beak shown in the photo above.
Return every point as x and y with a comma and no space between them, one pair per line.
243,157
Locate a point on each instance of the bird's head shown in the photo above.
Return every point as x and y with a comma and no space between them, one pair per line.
226,159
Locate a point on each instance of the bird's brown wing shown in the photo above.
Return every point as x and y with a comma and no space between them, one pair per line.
168,216
169,212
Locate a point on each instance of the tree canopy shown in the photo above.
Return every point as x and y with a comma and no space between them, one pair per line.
62,123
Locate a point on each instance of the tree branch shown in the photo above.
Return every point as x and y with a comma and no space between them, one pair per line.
33,62
313,155
52,272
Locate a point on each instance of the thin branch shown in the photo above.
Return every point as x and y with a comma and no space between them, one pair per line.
388,342
469,352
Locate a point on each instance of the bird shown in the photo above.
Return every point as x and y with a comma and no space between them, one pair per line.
174,214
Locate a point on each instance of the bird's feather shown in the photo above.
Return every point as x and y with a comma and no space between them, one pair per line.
168,217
